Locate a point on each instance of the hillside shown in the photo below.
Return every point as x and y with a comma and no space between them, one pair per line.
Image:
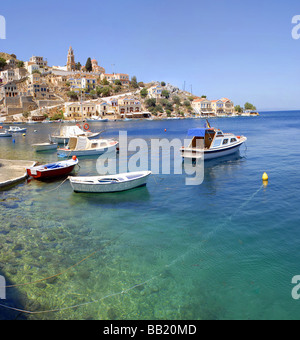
7,56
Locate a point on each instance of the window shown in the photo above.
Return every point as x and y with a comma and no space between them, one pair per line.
232,140
225,141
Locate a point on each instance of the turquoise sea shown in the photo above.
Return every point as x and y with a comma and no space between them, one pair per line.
226,249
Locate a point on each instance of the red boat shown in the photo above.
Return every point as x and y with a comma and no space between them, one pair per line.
52,170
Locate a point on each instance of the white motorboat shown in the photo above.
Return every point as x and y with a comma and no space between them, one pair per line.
16,129
5,133
45,146
97,119
66,132
110,183
211,143
83,146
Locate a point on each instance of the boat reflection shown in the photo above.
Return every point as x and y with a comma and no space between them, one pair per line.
137,195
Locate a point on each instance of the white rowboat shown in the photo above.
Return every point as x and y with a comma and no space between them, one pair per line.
110,183
45,147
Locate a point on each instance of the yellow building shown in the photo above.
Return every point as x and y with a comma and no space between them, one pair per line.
79,111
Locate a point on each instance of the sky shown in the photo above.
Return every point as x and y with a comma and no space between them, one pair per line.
242,50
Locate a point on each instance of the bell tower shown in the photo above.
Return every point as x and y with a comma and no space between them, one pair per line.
71,60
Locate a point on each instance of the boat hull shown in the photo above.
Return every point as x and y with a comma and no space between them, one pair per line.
17,131
82,153
44,147
41,172
195,154
80,187
221,153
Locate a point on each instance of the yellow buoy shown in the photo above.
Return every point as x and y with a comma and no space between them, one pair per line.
265,177
24,134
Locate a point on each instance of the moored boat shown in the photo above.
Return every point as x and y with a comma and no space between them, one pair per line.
52,170
5,133
83,146
45,146
16,129
110,183
210,143
65,133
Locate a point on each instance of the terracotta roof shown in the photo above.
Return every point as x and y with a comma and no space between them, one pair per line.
199,100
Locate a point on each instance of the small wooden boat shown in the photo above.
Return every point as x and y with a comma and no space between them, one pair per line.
110,183
16,129
53,170
83,146
45,146
5,133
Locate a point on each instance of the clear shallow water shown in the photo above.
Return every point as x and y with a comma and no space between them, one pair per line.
226,249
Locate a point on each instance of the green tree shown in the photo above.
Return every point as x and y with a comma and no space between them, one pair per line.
176,100
88,65
134,82
144,93
118,82
2,63
169,106
104,82
165,93
118,88
163,84
106,91
249,106
238,109
72,95
150,103
20,64
78,66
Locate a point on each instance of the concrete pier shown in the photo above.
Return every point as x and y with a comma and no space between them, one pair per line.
13,171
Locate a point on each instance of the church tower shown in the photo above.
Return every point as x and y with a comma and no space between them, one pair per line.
71,60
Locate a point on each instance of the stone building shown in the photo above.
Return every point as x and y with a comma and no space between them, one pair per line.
71,66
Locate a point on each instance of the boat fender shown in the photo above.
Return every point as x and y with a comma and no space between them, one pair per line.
74,158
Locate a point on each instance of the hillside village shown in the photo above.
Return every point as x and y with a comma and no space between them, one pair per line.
33,90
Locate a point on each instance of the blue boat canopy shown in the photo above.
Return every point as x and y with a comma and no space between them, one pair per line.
200,132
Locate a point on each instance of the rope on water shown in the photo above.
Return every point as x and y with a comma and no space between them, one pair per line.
58,186
79,305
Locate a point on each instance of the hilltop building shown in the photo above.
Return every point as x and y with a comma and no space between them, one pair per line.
96,67
38,61
71,66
